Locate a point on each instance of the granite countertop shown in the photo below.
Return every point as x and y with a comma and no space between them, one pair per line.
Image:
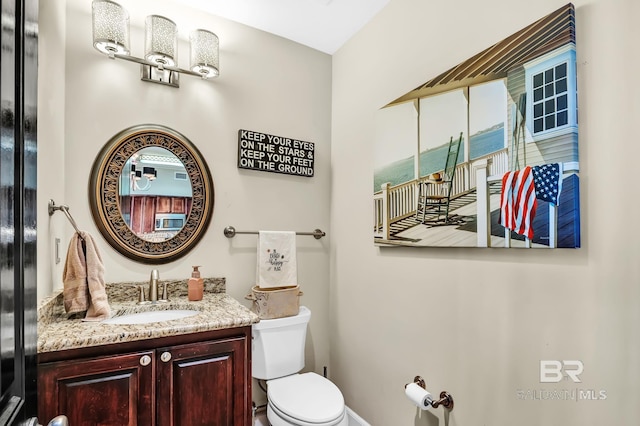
58,331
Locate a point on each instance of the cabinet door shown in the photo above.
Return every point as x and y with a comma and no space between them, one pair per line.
113,390
178,205
203,384
163,205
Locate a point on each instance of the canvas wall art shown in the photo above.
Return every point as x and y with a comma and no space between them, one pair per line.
486,153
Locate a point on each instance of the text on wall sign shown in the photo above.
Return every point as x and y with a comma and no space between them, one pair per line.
277,154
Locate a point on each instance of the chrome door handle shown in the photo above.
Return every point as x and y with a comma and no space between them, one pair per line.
59,421
145,360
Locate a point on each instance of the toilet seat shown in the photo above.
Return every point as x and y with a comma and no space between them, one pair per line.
278,418
306,399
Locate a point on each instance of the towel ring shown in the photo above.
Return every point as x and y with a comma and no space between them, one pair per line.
52,208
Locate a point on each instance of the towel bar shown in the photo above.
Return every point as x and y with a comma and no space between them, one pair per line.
231,232
65,209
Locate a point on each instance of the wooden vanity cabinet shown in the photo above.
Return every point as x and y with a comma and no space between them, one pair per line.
114,390
196,384
195,379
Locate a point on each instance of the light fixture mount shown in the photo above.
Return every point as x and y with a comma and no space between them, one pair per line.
160,62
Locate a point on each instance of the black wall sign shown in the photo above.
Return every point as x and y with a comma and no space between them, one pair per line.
277,154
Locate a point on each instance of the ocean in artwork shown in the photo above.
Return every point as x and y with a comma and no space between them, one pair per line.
432,160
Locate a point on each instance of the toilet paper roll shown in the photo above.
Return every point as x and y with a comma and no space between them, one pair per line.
420,397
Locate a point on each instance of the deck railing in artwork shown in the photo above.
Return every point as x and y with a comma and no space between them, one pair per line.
394,203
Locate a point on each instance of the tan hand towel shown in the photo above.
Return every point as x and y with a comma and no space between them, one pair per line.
83,278
74,277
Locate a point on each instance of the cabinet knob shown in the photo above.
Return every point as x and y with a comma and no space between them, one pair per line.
165,357
145,360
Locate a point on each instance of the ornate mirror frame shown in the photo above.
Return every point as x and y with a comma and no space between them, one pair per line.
104,194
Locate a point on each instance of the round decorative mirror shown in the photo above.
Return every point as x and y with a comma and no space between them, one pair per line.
151,193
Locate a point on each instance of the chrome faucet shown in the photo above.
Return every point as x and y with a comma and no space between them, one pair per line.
153,285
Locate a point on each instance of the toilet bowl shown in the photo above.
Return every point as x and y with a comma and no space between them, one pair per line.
293,399
305,400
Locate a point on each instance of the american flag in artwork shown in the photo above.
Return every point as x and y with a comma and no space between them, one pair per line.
518,201
547,179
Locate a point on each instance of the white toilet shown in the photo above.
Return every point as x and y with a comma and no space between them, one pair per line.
306,399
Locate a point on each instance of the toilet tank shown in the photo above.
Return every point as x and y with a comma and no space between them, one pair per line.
277,347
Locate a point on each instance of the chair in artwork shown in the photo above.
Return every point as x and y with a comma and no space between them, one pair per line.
434,192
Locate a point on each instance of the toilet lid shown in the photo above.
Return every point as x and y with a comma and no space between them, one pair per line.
308,397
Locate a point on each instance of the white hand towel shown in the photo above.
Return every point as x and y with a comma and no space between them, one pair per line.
277,265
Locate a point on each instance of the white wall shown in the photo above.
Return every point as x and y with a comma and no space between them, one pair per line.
267,84
51,146
477,322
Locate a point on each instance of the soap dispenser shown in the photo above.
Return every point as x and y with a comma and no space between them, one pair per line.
195,285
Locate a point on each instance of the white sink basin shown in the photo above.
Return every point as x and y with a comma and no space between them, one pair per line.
152,316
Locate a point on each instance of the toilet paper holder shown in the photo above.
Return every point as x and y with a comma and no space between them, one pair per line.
446,400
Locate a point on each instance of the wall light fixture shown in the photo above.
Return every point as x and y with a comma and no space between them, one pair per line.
160,63
150,173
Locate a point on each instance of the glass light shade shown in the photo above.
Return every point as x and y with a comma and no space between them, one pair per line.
161,41
110,27
204,53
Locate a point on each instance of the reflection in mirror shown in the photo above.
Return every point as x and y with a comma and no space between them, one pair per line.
151,193
155,194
